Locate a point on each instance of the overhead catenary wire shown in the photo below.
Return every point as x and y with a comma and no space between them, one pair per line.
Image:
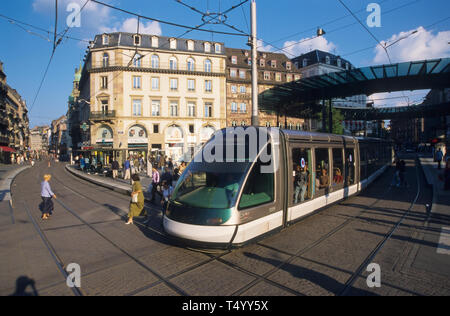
168,22
338,29
56,43
18,23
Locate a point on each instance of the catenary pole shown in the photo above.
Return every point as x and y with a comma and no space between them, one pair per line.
254,41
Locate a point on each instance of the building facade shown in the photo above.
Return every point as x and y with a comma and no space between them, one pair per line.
146,93
273,69
14,123
59,137
317,63
39,141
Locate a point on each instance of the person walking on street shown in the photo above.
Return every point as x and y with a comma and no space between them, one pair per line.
439,156
47,195
127,167
149,167
137,200
115,169
155,183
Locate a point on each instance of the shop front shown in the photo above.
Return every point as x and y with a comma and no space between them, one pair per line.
137,142
103,151
174,142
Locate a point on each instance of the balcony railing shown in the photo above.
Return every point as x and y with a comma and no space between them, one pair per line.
102,115
148,66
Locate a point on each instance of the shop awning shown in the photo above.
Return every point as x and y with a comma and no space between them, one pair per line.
7,149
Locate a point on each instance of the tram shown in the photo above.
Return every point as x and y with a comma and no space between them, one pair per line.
246,183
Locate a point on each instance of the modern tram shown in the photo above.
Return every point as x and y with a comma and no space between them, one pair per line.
249,182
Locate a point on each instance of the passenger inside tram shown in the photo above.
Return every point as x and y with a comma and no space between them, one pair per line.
301,183
324,180
338,178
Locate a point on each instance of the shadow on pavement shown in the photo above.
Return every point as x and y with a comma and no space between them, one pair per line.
320,279
22,283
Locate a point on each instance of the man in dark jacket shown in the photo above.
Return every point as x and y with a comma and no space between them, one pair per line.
115,168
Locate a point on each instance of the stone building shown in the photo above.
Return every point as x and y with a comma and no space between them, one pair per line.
273,69
14,123
142,93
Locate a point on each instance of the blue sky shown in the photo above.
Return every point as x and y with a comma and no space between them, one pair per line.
25,51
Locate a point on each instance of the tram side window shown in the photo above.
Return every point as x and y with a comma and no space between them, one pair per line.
322,171
301,162
259,188
338,164
350,165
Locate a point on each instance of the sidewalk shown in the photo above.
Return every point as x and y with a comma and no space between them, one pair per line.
438,224
7,175
118,185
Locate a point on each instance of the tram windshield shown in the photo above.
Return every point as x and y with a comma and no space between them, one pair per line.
210,185
216,185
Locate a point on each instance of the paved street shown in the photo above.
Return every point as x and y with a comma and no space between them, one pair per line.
324,254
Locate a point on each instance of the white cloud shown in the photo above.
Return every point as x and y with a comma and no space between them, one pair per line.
264,48
130,26
400,98
297,48
419,46
93,16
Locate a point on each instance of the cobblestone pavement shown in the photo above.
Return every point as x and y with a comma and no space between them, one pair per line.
324,254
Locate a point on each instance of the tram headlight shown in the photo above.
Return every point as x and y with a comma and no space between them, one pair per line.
214,221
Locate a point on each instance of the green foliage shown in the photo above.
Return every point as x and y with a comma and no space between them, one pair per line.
338,118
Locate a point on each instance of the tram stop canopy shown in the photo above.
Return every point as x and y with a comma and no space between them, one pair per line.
415,75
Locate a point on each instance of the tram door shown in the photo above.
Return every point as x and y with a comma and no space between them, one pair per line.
263,195
350,166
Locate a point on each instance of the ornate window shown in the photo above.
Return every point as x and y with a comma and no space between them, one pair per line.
191,64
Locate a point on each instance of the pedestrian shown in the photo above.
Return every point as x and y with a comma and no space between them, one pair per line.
115,169
439,156
166,193
137,200
47,195
127,167
82,164
149,167
155,183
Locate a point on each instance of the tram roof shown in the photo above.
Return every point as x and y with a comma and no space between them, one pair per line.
425,74
292,135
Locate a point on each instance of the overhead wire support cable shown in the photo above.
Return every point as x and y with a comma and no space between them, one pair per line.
166,22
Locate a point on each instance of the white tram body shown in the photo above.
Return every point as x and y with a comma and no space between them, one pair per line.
265,184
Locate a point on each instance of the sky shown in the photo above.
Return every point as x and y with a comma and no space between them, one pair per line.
286,26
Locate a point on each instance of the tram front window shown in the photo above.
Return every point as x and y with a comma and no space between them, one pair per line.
211,186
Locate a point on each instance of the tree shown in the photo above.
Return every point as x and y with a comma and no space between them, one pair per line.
338,118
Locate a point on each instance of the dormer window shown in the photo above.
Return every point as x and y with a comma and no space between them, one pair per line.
105,40
173,43
234,60
273,63
218,48
347,67
305,62
190,45
327,60
207,47
288,66
137,40
339,63
155,41
262,63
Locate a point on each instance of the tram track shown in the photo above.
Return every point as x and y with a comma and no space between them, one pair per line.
369,259
324,238
265,277
212,257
